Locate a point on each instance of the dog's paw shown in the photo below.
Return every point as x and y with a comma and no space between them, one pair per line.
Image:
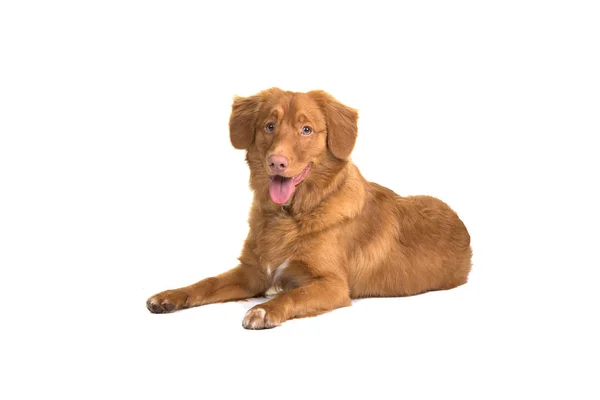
167,301
259,318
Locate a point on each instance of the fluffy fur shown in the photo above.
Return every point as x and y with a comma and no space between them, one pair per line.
337,237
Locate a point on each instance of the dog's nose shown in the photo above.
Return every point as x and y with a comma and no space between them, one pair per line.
278,164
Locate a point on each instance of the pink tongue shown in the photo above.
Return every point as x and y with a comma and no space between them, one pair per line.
281,189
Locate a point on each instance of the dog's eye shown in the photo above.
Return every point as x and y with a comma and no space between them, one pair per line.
306,130
270,127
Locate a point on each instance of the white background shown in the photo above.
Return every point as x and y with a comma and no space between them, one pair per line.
117,180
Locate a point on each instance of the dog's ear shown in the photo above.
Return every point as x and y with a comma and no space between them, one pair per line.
342,124
242,122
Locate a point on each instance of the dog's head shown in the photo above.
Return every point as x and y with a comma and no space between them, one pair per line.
291,137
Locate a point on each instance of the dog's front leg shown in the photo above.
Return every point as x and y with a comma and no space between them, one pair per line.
316,297
239,283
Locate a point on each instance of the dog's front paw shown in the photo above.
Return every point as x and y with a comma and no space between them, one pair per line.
259,318
167,301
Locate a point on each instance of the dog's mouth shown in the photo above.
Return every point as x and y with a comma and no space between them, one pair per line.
281,188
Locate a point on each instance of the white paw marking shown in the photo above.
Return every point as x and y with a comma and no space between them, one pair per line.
253,318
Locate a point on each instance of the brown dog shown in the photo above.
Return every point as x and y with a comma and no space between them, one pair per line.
320,234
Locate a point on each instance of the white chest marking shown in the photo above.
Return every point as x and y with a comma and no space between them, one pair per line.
273,291
276,274
279,270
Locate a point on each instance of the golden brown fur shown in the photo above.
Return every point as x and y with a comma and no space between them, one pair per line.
338,237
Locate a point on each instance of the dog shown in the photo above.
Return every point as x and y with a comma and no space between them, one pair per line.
320,234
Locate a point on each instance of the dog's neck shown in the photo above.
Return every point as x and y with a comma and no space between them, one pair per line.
311,194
